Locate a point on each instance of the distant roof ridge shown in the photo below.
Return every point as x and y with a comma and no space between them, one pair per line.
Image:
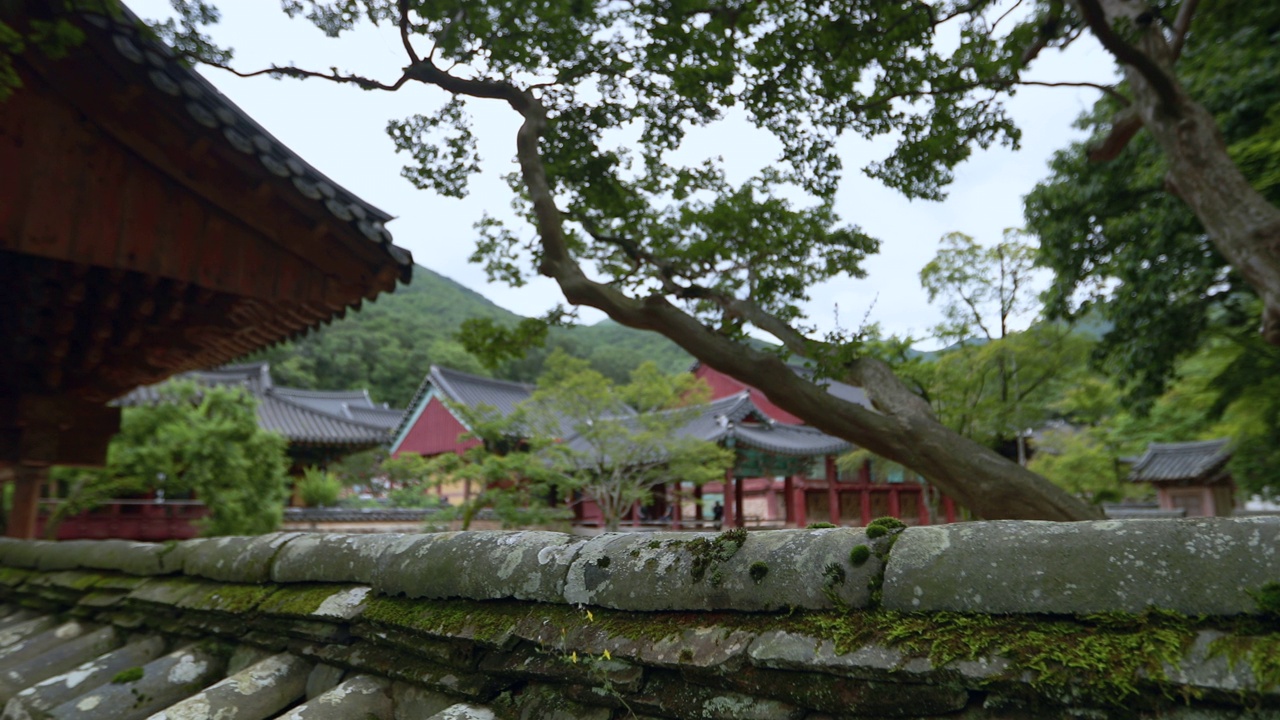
1189,445
329,394
328,416
482,378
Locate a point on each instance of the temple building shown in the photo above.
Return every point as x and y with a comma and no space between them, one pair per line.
1189,476
149,227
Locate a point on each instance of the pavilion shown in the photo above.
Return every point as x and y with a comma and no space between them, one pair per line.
1189,476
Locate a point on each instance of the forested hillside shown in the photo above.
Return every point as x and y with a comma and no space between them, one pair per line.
389,344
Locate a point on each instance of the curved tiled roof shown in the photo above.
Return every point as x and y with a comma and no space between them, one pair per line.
318,417
464,389
1182,462
475,390
737,418
206,106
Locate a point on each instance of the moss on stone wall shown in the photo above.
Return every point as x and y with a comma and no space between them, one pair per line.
1106,656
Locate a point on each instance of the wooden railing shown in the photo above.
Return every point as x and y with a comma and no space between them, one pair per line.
129,520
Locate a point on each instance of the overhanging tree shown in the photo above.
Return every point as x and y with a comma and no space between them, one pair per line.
682,251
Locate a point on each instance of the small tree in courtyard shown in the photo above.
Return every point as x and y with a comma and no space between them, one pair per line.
203,441
615,457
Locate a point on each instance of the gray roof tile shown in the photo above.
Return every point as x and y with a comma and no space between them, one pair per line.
1185,461
737,417
320,417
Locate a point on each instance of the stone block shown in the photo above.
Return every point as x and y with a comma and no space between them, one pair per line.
464,711
1203,566
62,655
23,553
261,690
158,684
362,696
415,703
35,701
808,569
236,559
334,558
480,565
669,695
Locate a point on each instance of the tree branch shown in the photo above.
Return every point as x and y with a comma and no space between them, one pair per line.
404,32
1127,54
1126,124
360,81
1182,25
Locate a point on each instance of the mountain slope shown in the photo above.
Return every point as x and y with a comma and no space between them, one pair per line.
388,345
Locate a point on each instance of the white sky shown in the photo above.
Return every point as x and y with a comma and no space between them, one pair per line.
340,130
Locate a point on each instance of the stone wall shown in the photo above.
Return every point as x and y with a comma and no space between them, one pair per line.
982,620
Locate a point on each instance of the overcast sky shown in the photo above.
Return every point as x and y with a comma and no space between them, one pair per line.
341,131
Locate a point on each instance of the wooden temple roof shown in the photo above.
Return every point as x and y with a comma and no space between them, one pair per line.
149,227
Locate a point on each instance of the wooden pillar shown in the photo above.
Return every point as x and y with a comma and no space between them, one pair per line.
949,509
788,500
26,501
727,519
802,504
674,502
833,493
699,512
739,517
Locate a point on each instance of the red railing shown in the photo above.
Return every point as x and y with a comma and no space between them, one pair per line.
129,520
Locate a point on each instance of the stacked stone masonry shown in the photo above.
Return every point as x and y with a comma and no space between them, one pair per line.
1143,618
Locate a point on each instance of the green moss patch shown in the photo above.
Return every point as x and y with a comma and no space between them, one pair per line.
128,675
1107,656
231,598
13,577
1260,653
300,599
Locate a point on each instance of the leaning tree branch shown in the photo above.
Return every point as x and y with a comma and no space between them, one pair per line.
1096,17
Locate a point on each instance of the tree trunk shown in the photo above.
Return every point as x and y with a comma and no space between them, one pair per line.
1242,224
902,428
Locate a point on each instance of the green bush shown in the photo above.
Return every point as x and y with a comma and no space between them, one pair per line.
318,488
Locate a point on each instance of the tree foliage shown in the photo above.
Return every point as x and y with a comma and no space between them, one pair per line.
518,474
985,287
319,488
1121,246
203,442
